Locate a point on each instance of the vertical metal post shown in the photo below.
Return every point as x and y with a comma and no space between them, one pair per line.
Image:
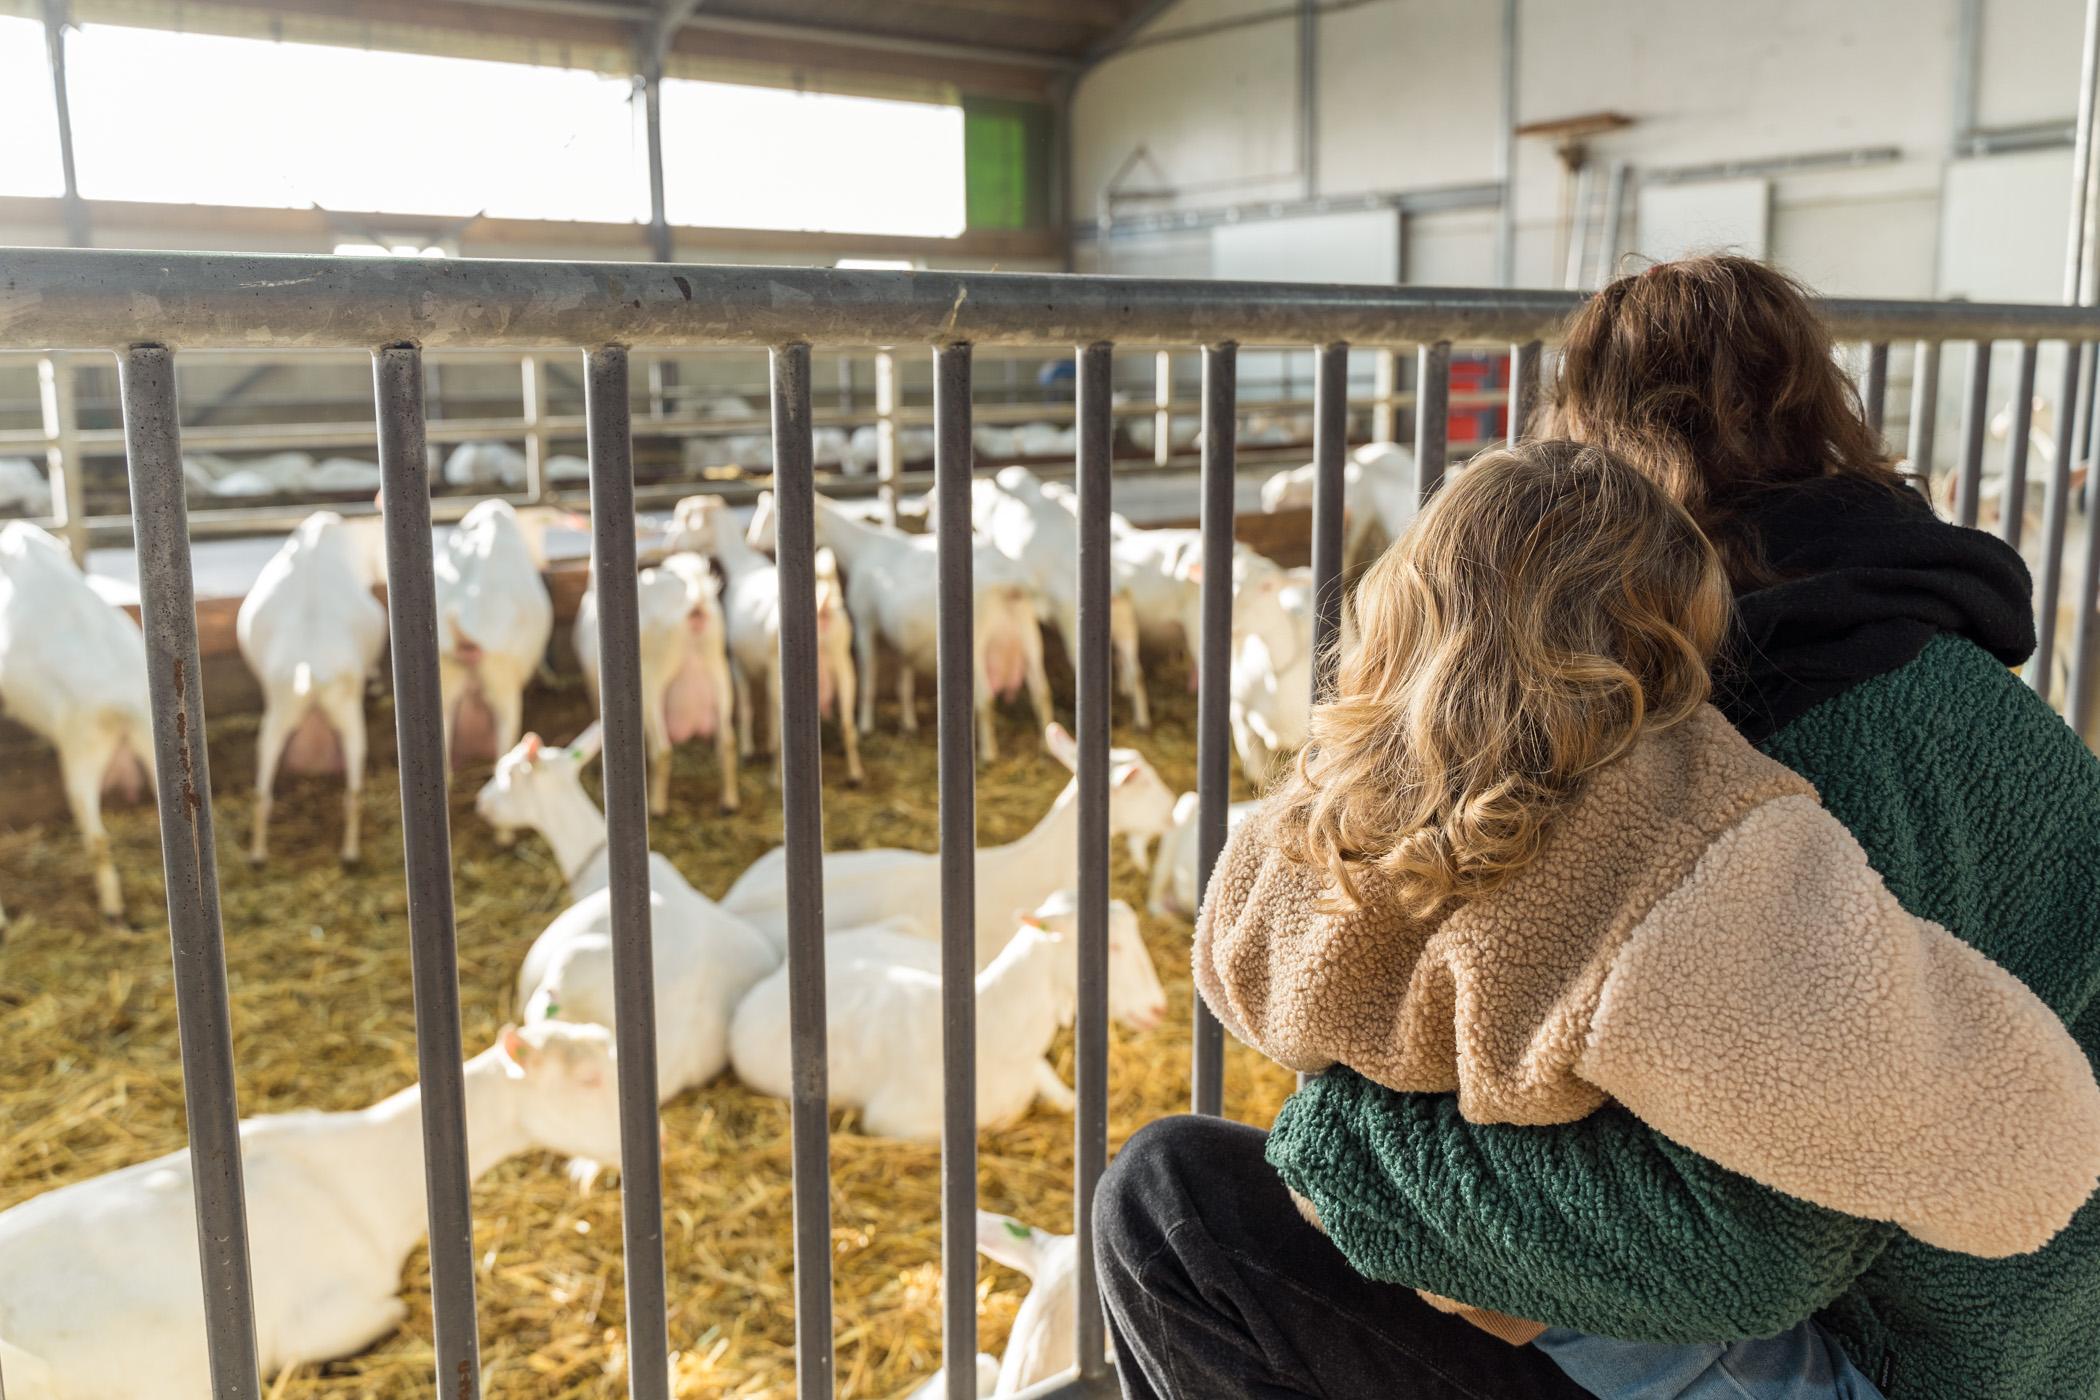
1875,392
1506,156
2013,509
1432,417
56,18
1924,411
426,838
1308,96
1976,413
1523,387
2079,236
64,465
2056,512
652,76
1091,665
802,820
954,623
886,463
1330,451
1162,408
189,857
611,445
2078,703
532,376
1577,250
1385,386
1213,738
1614,219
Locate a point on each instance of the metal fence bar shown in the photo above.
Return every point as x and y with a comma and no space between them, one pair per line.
189,856
1523,387
64,467
802,821
2074,408
2012,509
1432,417
1924,411
2078,700
1093,718
1213,738
954,621
1330,451
1875,392
1976,415
611,447
426,839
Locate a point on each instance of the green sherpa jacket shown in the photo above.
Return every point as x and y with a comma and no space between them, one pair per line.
1981,810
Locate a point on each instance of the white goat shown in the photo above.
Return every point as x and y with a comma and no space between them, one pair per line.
751,608
1176,891
99,1298
1039,532
1272,668
866,887
705,958
312,631
1379,486
686,687
484,466
494,620
73,669
890,591
23,488
882,1007
1041,1344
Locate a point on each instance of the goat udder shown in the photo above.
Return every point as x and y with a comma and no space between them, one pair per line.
125,777
1005,666
689,703
314,747
473,731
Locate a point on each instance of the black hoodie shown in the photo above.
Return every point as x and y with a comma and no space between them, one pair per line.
1866,577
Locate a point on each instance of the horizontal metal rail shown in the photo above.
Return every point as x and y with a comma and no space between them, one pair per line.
53,299
142,302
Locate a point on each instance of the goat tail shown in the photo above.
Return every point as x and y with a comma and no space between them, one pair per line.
827,565
303,679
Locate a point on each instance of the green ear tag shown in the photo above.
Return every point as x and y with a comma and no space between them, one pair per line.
550,1011
1018,1230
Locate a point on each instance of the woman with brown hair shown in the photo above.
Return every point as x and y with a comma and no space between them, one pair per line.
1869,655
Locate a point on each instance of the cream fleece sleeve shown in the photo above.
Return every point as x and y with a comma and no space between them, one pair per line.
1781,1014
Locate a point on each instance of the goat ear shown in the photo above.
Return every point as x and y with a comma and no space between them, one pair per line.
1193,571
530,747
1062,746
1027,917
1004,1240
1125,775
585,746
518,1052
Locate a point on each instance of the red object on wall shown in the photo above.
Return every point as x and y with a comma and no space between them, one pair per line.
1478,373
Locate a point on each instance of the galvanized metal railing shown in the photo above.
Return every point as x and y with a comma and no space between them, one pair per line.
146,307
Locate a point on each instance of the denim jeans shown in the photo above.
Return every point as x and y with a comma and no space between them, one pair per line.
1799,1364
1217,1289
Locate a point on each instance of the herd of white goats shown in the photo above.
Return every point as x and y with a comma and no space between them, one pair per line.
335,1199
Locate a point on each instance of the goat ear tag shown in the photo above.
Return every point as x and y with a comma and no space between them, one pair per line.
1018,1230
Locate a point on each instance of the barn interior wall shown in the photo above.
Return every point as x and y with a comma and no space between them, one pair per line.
1408,94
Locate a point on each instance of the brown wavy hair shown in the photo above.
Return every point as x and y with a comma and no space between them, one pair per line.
1547,608
1715,377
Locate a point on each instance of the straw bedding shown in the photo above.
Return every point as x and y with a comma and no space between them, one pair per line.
323,1018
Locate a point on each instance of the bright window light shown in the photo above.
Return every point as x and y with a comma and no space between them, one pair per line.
744,157
387,250
253,122
876,264
29,163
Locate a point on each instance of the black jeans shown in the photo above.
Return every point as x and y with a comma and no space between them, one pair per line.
1217,1289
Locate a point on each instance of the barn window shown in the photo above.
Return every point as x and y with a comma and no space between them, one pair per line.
29,153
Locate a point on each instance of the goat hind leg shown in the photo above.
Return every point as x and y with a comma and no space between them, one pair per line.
83,766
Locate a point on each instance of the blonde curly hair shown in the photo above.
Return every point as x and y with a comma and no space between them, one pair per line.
1548,607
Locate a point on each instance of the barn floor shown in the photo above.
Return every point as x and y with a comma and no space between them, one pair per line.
322,1018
